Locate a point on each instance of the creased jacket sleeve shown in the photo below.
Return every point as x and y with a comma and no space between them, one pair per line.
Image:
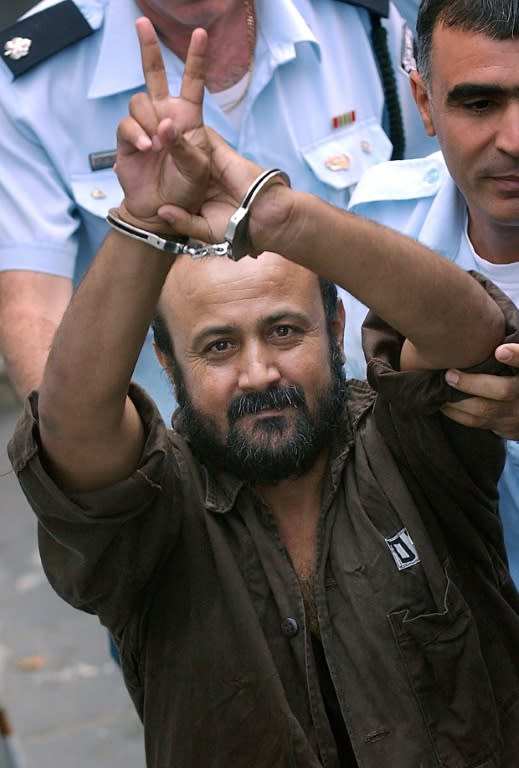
451,470
426,391
100,549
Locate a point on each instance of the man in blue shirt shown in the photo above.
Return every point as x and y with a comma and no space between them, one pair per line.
463,203
293,83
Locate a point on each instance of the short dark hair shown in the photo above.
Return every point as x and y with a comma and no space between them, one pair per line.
498,19
164,341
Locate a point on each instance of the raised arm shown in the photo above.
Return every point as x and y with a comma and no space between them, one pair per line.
90,431
445,315
442,311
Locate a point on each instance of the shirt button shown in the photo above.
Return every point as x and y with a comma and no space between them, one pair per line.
432,176
289,627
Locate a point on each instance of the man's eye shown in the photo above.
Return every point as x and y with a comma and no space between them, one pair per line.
219,346
285,334
481,105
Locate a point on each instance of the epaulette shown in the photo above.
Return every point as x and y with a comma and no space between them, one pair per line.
33,39
380,7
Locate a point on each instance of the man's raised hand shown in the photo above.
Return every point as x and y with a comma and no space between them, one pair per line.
178,177
160,126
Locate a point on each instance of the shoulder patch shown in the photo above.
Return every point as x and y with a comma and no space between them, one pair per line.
38,37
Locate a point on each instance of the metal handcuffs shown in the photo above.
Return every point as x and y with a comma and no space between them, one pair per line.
236,244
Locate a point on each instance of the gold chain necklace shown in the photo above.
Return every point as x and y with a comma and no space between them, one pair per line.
251,39
251,31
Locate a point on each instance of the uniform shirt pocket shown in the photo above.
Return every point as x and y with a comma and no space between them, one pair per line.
341,157
97,191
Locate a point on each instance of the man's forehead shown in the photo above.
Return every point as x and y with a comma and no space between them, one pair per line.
220,286
465,50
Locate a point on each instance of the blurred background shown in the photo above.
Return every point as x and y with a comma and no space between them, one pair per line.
62,698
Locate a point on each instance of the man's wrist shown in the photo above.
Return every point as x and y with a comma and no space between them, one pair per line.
237,234
268,218
175,245
154,224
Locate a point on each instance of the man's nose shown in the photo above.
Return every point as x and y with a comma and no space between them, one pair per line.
508,131
258,369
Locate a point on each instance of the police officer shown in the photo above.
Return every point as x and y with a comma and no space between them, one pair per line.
292,83
462,203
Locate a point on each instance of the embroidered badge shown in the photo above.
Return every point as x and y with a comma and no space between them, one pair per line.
17,48
403,550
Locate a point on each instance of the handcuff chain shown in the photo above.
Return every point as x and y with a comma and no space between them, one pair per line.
236,243
201,251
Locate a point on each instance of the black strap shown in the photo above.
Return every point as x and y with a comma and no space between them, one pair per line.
380,7
387,74
49,31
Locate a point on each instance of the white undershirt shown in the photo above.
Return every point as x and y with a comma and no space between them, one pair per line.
232,101
505,276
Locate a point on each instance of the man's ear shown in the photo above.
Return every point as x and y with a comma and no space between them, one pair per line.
423,101
163,360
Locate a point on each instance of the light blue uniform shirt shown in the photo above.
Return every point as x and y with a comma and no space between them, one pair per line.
420,199
313,62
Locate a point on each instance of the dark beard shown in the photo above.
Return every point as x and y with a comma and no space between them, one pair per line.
270,455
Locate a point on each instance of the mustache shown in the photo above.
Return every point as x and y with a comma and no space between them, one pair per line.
275,398
494,172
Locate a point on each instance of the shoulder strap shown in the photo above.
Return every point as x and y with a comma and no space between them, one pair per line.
387,75
379,7
33,39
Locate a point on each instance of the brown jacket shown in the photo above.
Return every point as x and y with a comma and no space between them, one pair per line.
418,616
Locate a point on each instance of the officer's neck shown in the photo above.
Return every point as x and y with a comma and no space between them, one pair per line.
493,241
229,53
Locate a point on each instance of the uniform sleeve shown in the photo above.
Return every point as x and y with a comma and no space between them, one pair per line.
100,549
37,226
